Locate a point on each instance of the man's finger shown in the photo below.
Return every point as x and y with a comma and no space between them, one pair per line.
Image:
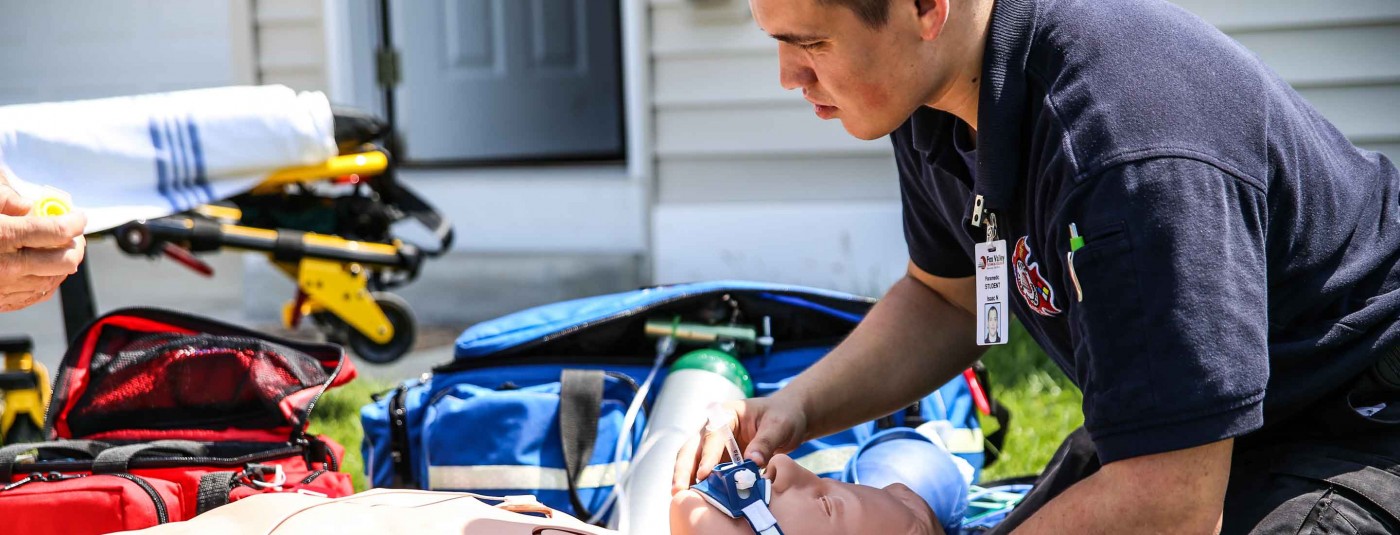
684,474
764,444
712,452
11,204
40,232
30,284
40,262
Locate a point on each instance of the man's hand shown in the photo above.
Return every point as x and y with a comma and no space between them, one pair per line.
36,253
912,341
765,426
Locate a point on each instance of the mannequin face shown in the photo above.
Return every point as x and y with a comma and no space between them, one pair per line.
804,503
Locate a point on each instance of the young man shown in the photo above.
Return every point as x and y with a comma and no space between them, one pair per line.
1207,257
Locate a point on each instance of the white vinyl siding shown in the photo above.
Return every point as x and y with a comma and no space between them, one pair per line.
291,44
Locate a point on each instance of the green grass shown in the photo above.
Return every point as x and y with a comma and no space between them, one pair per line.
337,415
1044,404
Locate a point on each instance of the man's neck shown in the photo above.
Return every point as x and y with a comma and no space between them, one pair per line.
971,21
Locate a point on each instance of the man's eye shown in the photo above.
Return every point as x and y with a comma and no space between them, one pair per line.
810,46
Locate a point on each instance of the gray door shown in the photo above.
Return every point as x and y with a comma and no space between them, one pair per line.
508,79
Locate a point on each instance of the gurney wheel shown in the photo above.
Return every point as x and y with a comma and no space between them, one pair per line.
405,331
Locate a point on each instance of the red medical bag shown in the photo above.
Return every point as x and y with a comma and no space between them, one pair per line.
158,416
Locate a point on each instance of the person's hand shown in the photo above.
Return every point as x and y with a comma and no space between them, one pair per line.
36,253
763,427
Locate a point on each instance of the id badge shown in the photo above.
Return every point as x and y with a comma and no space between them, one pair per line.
992,280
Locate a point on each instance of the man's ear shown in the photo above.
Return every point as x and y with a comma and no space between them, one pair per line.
933,16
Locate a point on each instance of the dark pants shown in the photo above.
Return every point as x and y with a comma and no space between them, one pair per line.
1342,477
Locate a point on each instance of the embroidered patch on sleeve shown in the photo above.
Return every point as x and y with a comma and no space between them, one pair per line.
1037,292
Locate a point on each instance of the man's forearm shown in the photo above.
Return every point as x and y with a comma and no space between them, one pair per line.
1175,492
910,343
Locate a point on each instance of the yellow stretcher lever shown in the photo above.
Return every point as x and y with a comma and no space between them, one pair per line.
365,163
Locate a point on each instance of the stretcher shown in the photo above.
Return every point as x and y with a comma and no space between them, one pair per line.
328,228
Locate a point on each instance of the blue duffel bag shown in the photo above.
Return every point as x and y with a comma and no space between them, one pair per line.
491,420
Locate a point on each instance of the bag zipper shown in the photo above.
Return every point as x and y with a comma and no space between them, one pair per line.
312,476
456,365
162,513
170,462
634,311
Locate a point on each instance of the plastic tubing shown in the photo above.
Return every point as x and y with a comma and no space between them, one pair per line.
718,423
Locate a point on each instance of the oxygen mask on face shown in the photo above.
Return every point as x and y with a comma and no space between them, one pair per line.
737,490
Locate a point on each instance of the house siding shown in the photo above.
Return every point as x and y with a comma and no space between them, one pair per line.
291,43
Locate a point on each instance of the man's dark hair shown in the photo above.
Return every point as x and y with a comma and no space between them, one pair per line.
874,13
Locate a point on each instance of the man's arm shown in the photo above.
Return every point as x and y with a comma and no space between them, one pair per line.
919,336
1174,492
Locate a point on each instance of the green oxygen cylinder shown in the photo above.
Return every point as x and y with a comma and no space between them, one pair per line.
716,362
697,380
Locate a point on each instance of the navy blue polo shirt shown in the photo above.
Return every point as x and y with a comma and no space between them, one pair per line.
1241,254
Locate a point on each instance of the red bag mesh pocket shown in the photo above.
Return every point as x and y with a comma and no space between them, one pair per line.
176,381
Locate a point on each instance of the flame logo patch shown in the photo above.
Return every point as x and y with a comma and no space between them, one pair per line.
1037,292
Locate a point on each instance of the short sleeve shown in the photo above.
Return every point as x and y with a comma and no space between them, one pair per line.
1170,338
927,231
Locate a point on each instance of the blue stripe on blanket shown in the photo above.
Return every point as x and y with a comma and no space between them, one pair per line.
201,176
162,164
181,183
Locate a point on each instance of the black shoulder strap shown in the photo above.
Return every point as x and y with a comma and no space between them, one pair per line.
580,404
398,439
997,439
79,448
118,460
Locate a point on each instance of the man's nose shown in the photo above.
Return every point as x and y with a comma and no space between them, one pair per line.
793,71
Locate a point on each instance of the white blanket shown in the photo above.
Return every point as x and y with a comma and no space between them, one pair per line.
153,155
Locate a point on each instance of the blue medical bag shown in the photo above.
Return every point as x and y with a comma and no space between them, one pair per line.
490,421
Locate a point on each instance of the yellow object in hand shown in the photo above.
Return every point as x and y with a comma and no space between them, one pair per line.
52,204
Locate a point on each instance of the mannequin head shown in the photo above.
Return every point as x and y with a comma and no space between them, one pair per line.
805,503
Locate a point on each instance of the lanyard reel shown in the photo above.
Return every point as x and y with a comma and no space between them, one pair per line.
737,490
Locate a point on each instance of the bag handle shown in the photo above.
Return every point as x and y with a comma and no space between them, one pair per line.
9,455
118,460
399,452
997,439
580,405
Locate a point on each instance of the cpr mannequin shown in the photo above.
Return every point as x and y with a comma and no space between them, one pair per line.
377,512
803,503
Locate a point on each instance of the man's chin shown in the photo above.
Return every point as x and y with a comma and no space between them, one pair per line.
865,131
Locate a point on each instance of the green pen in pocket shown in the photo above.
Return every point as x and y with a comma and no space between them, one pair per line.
1075,243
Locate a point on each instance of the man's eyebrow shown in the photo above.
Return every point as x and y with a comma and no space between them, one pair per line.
796,39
